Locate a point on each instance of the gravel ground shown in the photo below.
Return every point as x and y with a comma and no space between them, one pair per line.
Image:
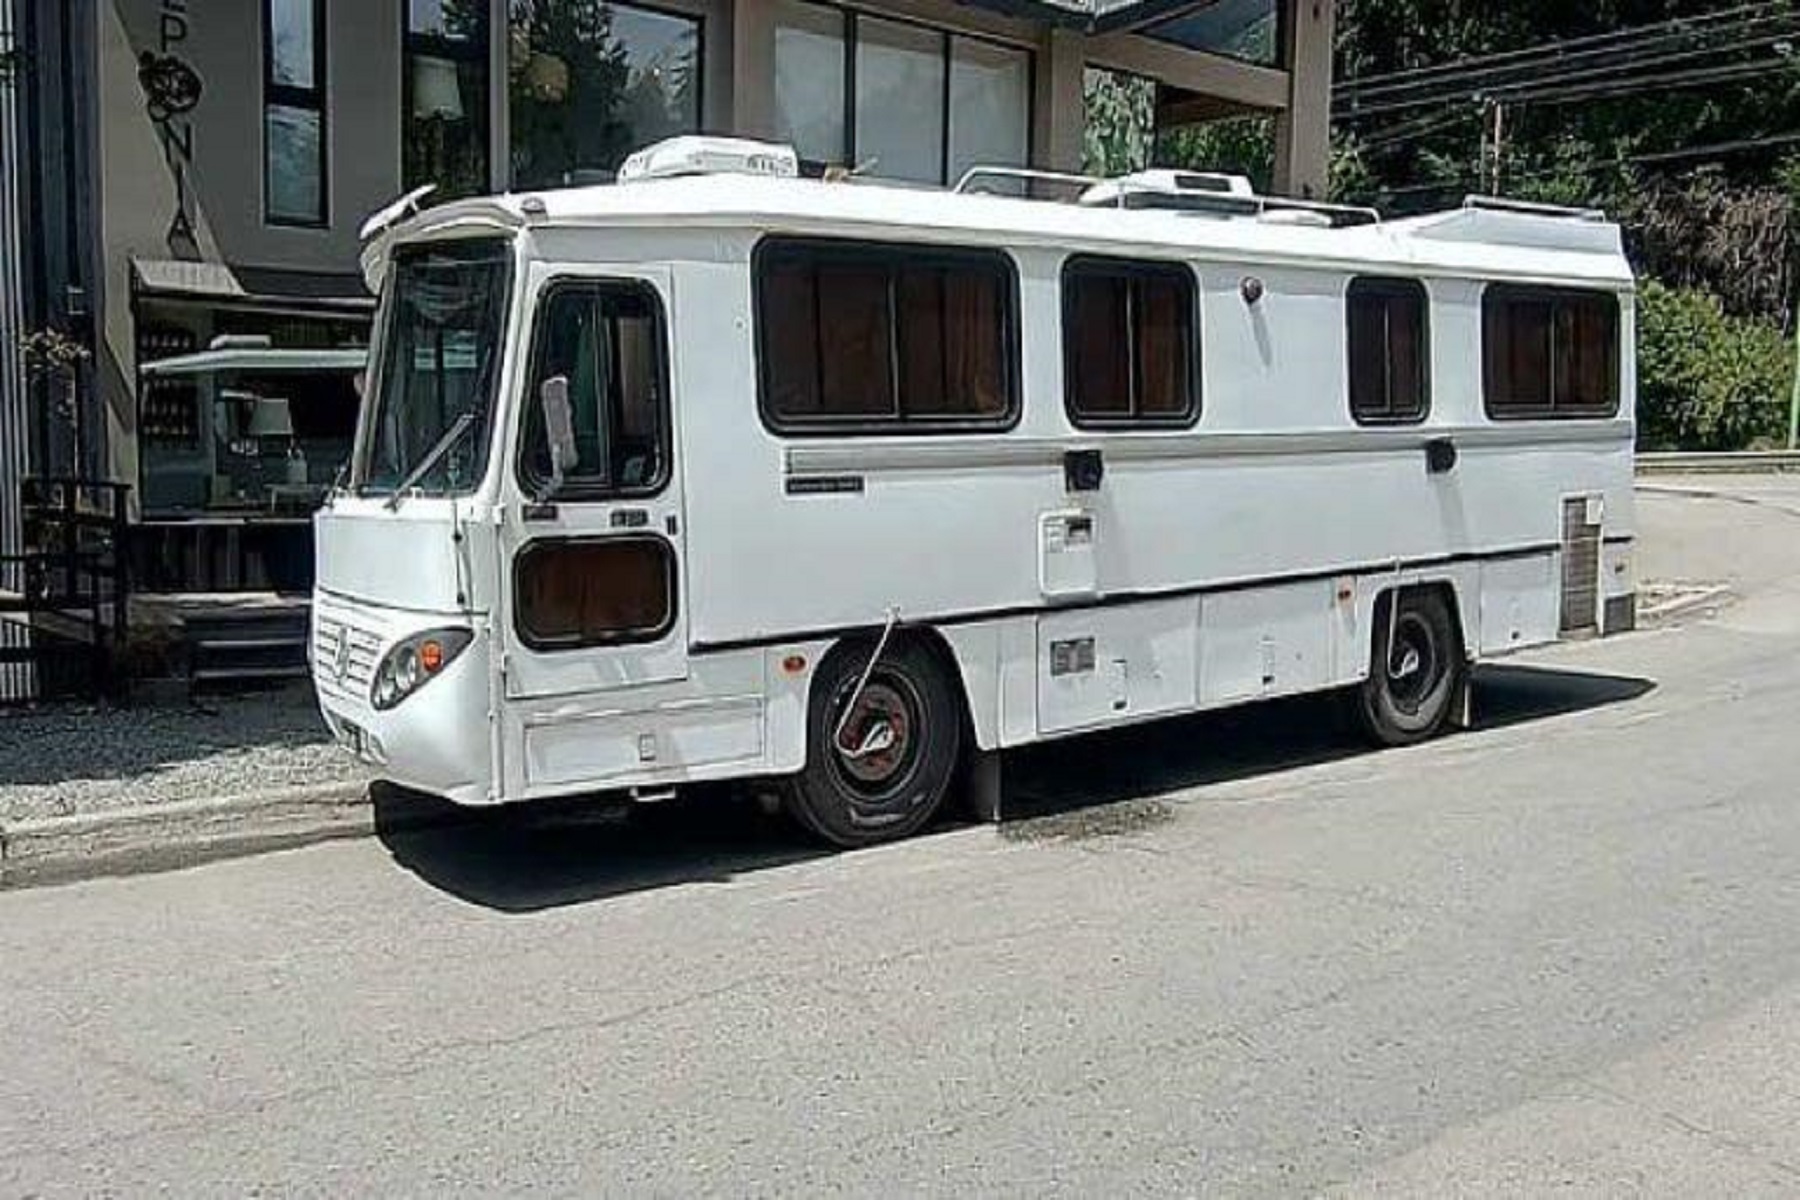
64,760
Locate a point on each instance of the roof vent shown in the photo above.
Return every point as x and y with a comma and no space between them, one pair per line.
1199,191
696,155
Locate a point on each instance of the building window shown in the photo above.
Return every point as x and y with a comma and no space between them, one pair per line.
1549,352
444,97
885,339
990,106
294,112
1243,29
1389,351
1129,350
907,101
606,339
590,82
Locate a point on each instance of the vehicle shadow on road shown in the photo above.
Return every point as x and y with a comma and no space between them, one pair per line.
1249,742
538,856
530,858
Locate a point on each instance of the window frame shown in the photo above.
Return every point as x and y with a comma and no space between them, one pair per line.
1118,267
1552,411
891,255
500,166
312,99
1391,286
415,45
572,490
539,545
947,38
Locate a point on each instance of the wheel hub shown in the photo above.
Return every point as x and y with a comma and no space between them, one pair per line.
1412,662
877,741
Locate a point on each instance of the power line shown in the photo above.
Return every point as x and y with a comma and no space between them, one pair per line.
1613,41
1526,87
1468,176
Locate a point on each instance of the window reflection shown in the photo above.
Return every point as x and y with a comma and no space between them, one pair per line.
446,97
589,82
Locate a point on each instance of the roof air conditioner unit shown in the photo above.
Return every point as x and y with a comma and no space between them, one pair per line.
1196,191
697,155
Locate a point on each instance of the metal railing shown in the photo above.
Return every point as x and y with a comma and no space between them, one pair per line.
1686,462
72,605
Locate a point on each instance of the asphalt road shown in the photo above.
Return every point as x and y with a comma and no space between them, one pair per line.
1561,951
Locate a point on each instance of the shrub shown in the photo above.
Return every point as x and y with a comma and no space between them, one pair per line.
1707,381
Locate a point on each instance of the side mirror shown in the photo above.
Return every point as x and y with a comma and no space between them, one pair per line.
559,428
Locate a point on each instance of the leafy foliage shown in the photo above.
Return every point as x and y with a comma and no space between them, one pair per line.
1708,381
1120,130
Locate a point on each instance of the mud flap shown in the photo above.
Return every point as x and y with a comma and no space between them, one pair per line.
1462,711
984,786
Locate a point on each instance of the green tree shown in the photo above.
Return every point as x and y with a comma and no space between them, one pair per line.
1708,381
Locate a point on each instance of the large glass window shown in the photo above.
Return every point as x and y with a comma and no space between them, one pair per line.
1549,352
1246,29
589,82
294,112
1389,351
1129,350
606,340
810,69
990,106
257,429
926,105
445,97
439,349
884,338
900,100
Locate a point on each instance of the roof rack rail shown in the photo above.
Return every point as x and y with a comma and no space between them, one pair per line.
1132,191
975,175
1532,208
1365,214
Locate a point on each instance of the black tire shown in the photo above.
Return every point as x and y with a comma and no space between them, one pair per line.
1416,670
881,795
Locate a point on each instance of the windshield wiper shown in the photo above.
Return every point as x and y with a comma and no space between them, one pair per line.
445,444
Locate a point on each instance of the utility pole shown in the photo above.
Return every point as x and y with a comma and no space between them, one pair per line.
1793,442
1497,140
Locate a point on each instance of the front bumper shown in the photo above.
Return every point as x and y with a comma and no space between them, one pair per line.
438,739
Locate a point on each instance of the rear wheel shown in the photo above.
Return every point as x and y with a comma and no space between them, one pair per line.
1416,669
883,772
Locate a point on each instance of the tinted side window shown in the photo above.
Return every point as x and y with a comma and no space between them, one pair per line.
1389,351
606,591
606,339
1130,355
884,339
1549,353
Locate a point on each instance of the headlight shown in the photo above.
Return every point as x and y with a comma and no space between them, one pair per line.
414,662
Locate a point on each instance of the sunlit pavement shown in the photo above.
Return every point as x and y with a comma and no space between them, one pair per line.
1236,953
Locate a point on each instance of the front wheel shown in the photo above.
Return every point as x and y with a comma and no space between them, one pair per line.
882,773
1416,669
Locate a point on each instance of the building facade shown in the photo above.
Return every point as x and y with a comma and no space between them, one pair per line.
198,170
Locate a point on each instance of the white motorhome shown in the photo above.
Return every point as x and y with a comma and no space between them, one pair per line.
720,472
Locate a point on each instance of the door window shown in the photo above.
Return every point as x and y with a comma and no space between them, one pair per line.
607,339
597,592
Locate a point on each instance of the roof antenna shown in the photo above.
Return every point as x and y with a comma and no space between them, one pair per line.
840,174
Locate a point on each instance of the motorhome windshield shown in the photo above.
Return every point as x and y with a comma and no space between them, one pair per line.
439,359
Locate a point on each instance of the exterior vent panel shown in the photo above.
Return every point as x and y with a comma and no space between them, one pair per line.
1581,536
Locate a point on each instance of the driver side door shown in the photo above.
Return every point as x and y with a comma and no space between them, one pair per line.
592,562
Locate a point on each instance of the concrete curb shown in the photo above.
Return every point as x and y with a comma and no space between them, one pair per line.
1684,606
183,833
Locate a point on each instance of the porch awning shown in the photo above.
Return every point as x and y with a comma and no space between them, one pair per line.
245,286
260,359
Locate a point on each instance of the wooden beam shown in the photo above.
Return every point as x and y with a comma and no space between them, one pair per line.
1239,83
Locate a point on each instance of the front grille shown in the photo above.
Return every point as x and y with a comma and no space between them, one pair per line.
344,656
1580,567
